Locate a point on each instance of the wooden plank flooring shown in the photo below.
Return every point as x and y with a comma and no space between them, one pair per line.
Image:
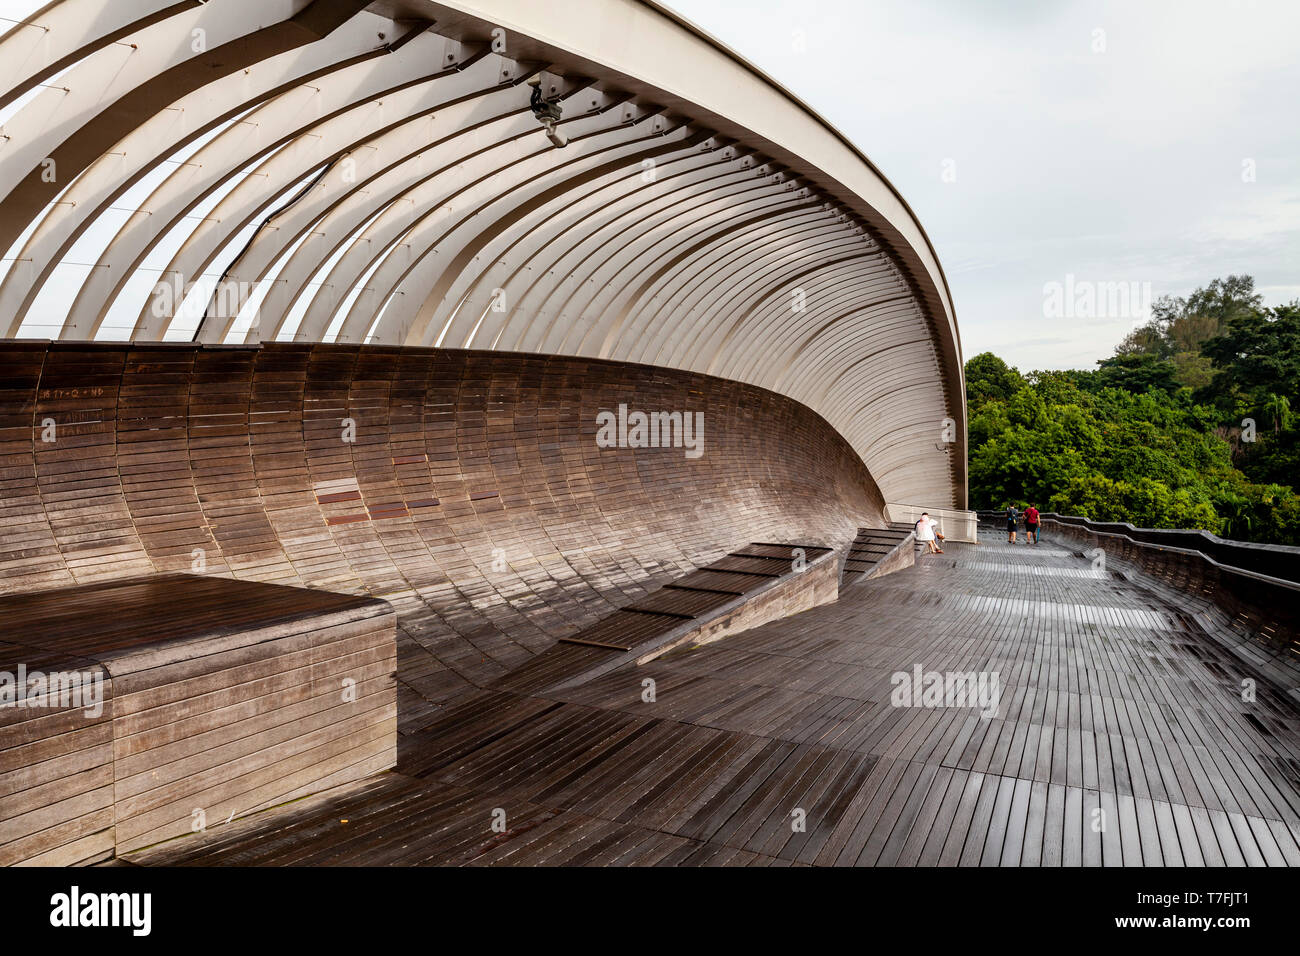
1119,738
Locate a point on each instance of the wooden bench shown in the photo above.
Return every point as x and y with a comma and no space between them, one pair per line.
876,552
182,701
759,583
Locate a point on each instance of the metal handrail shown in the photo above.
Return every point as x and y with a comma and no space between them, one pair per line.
1271,560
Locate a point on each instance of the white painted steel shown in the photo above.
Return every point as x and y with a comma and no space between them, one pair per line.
375,171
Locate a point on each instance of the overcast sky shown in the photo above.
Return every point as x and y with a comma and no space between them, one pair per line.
1154,142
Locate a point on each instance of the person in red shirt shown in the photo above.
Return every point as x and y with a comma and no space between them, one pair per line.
1031,525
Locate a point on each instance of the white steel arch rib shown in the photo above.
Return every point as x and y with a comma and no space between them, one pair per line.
374,170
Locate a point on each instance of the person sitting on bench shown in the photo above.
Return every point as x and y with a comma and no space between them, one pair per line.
927,529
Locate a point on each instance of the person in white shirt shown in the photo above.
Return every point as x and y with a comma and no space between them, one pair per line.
927,529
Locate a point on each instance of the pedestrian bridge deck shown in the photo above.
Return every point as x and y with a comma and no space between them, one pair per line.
1120,738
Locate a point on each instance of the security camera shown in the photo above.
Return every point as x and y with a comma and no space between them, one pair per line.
547,111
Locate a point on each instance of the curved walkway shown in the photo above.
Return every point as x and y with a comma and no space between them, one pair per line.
1119,737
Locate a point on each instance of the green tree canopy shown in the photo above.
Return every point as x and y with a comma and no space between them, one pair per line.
1137,374
989,379
1256,355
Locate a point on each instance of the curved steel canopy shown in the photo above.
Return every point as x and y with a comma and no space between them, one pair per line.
371,171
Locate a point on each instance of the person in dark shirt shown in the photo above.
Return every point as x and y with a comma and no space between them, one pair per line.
1012,517
1031,524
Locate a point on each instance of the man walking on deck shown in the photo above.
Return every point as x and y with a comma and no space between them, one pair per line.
1031,524
1012,517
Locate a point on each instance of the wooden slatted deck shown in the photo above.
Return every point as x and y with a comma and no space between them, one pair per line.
1120,738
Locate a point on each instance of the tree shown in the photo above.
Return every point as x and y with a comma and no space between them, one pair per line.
1254,356
1192,369
989,379
1136,374
1145,503
1146,340
1151,435
1274,458
1278,408
1186,323
1125,443
1225,299
1179,326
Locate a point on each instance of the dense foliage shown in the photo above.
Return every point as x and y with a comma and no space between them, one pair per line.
1188,425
